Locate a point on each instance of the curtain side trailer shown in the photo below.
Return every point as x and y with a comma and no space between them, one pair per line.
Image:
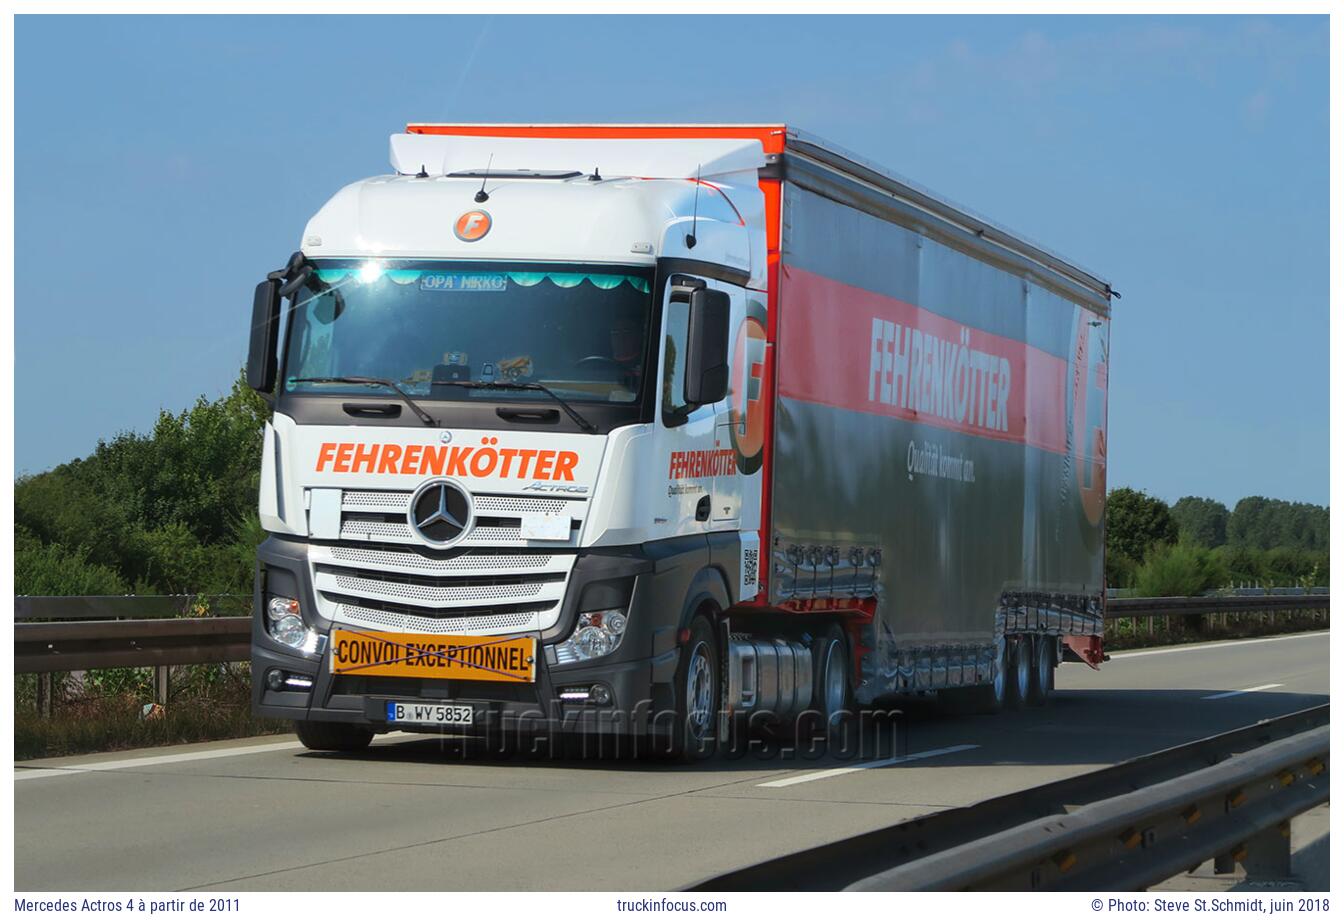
813,437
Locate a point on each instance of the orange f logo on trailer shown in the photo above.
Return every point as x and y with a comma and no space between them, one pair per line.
471,226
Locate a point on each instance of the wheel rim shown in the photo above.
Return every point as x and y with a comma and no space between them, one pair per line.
699,692
1023,668
835,682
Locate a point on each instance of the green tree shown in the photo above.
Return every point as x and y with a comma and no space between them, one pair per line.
1135,522
1201,521
166,512
1266,523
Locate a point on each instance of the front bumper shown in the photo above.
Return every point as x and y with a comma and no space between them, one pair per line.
638,675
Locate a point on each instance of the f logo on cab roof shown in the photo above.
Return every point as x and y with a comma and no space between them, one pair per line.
472,225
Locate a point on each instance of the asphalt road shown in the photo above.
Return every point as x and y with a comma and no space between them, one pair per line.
419,813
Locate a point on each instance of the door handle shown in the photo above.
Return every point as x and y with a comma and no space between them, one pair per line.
702,509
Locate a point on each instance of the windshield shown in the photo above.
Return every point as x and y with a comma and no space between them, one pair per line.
580,331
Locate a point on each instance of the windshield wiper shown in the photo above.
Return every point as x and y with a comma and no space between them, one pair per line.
512,385
374,381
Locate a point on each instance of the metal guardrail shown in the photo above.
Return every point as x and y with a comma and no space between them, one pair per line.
53,634
77,646
121,607
1120,607
1125,827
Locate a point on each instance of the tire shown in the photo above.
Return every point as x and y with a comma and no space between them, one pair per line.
1020,667
697,687
332,736
990,698
1042,671
832,695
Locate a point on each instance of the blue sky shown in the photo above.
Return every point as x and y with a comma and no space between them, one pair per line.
164,164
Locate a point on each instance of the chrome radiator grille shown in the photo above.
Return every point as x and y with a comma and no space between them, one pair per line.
380,577
468,591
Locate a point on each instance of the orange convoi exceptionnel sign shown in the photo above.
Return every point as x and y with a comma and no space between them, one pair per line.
383,654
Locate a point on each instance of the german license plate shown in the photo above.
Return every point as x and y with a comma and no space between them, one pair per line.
385,654
429,713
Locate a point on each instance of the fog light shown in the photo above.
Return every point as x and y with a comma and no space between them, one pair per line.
274,680
598,694
598,633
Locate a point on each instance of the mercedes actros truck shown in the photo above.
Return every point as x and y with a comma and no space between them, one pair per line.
648,429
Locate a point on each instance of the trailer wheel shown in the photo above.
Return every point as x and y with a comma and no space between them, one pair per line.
987,698
332,736
1021,665
832,696
697,695
1043,671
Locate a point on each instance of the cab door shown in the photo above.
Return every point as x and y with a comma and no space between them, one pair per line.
704,489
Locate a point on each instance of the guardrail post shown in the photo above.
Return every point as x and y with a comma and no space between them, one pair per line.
44,688
1269,853
161,684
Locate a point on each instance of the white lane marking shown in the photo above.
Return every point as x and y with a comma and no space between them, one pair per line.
1223,696
131,763
1210,645
890,761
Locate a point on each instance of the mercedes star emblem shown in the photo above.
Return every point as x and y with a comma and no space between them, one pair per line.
440,512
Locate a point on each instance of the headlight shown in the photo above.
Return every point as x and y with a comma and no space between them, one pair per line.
598,633
281,607
285,625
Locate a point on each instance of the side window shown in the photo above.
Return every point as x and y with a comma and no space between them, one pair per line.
674,366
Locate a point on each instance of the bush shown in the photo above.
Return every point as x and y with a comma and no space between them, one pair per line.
1120,570
1179,570
54,569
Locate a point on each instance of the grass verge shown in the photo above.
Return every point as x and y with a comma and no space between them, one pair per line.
1129,633
112,723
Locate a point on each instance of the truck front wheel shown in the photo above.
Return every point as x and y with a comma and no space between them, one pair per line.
332,736
697,695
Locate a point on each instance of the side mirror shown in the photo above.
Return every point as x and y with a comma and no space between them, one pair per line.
707,347
261,359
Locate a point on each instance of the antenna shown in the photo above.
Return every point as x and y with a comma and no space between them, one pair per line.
423,173
596,176
482,196
695,210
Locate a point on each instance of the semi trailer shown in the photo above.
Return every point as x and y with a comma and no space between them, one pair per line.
651,429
